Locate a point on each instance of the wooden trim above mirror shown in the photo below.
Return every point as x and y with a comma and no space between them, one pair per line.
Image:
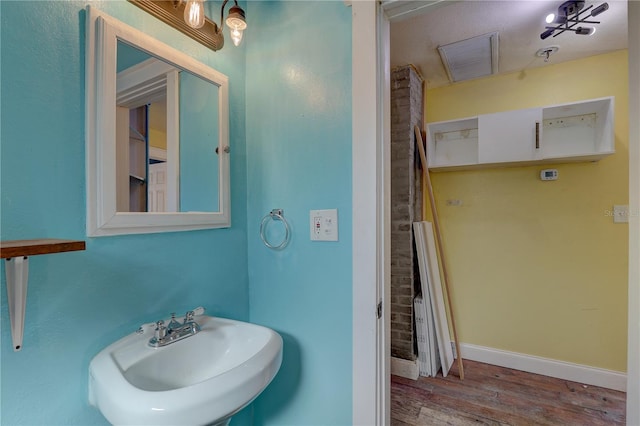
171,12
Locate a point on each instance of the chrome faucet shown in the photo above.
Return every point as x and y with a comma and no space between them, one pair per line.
174,331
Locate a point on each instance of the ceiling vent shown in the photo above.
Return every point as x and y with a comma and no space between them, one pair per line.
471,58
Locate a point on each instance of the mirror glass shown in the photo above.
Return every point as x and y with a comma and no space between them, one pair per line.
146,178
157,135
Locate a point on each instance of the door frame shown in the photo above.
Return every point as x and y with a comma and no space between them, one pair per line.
370,185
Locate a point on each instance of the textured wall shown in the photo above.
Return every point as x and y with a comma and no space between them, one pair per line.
80,302
539,267
299,158
298,110
406,205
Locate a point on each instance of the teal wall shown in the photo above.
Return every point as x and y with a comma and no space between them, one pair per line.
290,130
199,128
79,302
299,158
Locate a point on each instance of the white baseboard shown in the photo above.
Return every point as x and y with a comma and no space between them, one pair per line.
549,367
404,368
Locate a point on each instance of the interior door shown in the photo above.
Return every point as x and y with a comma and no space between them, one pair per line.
157,188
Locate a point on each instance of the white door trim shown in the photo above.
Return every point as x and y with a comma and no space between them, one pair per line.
383,171
633,329
370,364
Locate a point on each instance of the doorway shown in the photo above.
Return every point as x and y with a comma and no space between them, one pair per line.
366,27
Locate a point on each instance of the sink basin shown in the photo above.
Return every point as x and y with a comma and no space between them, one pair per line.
203,379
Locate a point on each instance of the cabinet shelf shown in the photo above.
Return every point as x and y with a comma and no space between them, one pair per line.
573,132
16,254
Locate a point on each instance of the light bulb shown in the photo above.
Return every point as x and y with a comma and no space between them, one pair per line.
194,13
598,10
550,18
236,23
585,30
548,33
236,36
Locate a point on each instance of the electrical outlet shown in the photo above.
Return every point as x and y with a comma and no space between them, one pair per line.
324,225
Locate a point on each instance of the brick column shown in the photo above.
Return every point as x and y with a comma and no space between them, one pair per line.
406,206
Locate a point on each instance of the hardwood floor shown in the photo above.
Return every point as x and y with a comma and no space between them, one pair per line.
491,395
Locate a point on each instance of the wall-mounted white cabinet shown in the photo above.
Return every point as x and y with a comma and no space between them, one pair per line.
509,136
580,131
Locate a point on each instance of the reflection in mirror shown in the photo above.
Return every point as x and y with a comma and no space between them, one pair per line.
157,135
198,158
150,94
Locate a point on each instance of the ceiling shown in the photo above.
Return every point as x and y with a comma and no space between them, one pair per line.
419,27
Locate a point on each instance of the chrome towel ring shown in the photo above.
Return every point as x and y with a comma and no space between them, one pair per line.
275,215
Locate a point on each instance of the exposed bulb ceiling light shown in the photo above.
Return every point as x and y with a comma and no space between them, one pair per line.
569,16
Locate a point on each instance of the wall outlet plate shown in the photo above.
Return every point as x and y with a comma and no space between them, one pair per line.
323,225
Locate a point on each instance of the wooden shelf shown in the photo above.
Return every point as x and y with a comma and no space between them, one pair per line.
16,248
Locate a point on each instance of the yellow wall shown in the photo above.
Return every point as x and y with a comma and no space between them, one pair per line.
538,267
158,124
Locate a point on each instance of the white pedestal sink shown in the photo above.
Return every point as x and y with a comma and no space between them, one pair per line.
201,380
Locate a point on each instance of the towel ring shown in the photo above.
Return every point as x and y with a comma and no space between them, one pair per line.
275,214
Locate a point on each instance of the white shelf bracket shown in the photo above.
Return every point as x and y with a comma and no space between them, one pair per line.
17,272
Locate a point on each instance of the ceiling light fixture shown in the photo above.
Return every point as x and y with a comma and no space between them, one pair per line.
188,16
570,14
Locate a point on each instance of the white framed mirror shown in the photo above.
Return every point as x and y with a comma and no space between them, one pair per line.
157,137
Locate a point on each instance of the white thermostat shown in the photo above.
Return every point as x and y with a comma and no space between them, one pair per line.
549,174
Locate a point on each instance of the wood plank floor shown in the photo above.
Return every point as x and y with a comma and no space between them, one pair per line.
491,395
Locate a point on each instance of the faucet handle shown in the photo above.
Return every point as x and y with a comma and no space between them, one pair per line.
189,316
173,323
161,330
198,311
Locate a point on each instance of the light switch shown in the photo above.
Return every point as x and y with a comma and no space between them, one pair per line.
621,213
324,225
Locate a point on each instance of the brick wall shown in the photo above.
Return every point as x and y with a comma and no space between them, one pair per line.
406,206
